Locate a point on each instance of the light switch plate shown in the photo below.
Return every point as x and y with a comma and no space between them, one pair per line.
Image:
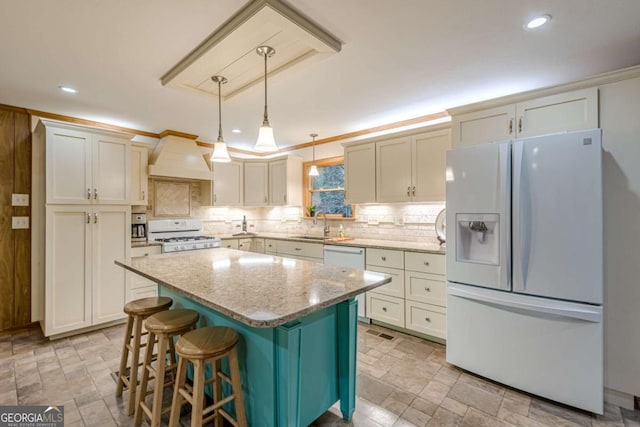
19,222
373,221
19,199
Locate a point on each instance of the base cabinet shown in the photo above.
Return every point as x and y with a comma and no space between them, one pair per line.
138,286
83,286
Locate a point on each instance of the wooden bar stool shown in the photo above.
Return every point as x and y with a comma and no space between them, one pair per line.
162,328
137,310
201,347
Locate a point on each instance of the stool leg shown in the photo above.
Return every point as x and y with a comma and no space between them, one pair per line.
156,411
236,383
198,393
217,390
178,399
124,356
133,376
142,390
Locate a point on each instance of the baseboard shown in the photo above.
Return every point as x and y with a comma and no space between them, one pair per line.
87,329
619,398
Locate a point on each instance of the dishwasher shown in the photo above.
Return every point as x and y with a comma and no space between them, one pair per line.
350,257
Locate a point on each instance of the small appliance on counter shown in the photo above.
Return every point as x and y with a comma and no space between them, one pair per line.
138,227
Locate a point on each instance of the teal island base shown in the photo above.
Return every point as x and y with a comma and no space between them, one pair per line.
293,373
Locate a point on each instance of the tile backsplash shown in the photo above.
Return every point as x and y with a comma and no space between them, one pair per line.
398,221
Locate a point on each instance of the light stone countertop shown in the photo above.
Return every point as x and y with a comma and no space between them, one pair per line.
144,244
261,291
429,247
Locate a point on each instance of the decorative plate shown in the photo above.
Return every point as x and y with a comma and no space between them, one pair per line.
441,226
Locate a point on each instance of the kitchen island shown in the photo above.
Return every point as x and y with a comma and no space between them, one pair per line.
297,322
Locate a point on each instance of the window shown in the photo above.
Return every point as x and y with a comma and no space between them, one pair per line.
326,191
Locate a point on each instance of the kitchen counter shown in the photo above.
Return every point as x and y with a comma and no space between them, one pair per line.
428,247
297,321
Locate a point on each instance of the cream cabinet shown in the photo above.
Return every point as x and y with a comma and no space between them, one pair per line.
360,173
386,303
425,293
138,286
569,111
83,286
85,166
226,187
300,250
230,243
256,183
257,245
244,244
412,168
285,182
270,246
139,175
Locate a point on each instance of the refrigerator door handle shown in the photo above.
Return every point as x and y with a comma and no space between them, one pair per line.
521,208
549,307
505,214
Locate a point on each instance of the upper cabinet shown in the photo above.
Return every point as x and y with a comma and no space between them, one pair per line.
285,182
226,187
428,164
139,175
256,180
86,166
360,173
393,170
568,111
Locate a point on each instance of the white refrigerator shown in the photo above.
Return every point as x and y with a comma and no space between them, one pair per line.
525,267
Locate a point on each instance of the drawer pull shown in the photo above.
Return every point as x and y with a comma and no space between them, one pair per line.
427,289
426,263
384,258
427,319
384,308
298,249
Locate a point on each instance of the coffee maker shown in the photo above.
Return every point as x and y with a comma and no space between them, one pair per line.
138,227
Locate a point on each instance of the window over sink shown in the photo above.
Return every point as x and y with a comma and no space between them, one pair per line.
326,191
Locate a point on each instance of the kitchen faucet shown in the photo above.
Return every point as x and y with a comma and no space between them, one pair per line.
326,227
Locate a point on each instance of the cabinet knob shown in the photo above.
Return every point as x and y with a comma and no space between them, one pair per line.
520,124
427,289
384,258
143,195
510,128
298,249
426,263
88,218
384,308
413,191
427,319
95,218
409,191
88,193
95,193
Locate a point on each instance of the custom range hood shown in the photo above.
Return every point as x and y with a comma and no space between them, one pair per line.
179,157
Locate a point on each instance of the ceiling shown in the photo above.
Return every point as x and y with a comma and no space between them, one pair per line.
396,62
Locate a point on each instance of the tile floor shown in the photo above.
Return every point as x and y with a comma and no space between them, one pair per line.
403,381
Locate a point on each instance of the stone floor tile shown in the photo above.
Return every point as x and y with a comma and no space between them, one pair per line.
410,383
454,406
415,416
565,412
519,419
403,396
424,405
435,392
393,405
9,398
482,383
516,406
546,417
476,418
476,398
444,418
372,389
401,422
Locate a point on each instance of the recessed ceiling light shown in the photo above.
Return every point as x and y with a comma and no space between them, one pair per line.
236,131
538,21
67,89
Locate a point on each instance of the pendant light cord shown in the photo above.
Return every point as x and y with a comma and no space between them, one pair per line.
265,122
220,138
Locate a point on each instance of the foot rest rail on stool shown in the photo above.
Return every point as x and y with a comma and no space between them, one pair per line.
201,347
162,327
137,311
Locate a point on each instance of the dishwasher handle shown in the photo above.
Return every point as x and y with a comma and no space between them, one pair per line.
344,250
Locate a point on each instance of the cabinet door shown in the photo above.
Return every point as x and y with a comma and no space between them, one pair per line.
244,244
67,269
360,173
68,167
278,183
257,245
111,170
494,124
110,241
139,177
393,170
227,184
571,111
230,243
428,164
256,178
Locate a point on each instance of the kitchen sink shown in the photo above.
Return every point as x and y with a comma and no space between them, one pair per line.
318,238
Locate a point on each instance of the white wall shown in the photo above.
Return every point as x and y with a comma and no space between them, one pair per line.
620,121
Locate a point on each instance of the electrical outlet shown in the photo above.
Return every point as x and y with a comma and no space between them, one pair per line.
373,221
19,222
227,220
19,199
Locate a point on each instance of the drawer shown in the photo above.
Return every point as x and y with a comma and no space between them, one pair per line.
244,244
270,246
145,250
385,308
305,249
426,263
385,258
425,287
427,319
145,292
230,244
396,287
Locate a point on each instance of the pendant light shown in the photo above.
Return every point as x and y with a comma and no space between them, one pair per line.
220,153
266,141
313,170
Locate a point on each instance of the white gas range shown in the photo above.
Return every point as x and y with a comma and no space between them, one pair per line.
180,235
